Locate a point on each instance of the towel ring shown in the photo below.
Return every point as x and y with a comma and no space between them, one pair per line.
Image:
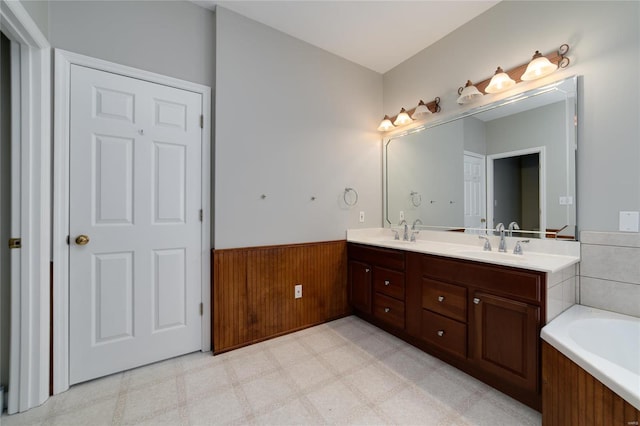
344,196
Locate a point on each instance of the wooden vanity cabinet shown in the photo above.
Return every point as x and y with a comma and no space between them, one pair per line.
377,284
484,319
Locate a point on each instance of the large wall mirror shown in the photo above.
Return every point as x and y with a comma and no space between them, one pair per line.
510,162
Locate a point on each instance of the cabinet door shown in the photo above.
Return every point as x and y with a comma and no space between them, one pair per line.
504,339
360,286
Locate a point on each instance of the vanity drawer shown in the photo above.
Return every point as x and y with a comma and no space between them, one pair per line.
388,282
447,299
445,333
387,258
508,281
388,310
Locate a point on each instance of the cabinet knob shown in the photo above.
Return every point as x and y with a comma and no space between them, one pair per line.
387,310
440,298
387,282
476,300
367,269
440,333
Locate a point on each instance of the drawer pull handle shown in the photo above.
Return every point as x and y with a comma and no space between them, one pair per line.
440,333
476,300
387,310
387,282
440,298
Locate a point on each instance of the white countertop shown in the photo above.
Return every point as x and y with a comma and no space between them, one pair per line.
539,255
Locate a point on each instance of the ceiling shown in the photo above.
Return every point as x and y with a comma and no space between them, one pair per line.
375,34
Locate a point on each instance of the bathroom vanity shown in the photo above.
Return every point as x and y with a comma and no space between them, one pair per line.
480,315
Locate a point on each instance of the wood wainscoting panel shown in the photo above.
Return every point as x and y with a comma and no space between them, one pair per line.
571,396
253,290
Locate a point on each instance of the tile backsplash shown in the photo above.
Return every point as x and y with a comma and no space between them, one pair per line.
610,271
561,291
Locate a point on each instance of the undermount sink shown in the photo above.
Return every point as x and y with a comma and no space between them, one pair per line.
493,255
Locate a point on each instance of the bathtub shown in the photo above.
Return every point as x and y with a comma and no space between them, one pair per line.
605,344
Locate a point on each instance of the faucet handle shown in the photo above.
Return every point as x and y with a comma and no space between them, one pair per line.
518,248
487,243
413,236
396,236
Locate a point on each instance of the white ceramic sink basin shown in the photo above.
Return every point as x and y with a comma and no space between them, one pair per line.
493,255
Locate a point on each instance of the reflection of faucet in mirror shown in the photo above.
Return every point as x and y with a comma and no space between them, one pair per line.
503,244
405,234
415,232
513,225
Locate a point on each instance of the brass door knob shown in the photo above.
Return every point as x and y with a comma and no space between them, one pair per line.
82,240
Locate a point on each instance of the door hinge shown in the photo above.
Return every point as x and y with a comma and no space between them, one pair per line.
68,240
201,121
15,243
201,309
201,215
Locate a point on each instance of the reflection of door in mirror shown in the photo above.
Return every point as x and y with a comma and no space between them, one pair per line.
516,191
474,193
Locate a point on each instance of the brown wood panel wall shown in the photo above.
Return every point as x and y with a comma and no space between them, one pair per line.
253,290
571,396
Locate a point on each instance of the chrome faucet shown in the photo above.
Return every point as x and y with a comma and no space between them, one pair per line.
405,234
513,225
487,243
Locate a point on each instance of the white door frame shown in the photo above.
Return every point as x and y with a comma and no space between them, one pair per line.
29,360
540,150
62,62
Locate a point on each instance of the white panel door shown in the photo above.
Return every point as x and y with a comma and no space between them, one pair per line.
135,286
474,192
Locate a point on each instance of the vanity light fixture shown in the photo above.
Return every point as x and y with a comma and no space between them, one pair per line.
421,110
385,124
500,82
405,117
468,93
540,66
402,118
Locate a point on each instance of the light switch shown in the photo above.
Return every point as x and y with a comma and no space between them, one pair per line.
629,221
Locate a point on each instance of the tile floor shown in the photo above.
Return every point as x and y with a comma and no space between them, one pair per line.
346,372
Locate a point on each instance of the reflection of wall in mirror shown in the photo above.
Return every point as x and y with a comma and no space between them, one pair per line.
427,162
543,126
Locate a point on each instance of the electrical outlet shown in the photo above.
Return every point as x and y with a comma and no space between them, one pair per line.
297,291
401,215
361,217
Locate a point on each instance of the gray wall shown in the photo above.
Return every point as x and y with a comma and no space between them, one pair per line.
174,38
292,122
5,205
543,126
605,49
39,12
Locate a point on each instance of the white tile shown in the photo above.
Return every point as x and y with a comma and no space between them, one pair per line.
411,406
611,263
199,383
93,414
321,342
309,373
291,413
152,373
374,381
568,293
623,239
150,401
289,352
219,408
612,296
267,389
334,402
343,359
252,364
554,302
406,366
89,392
